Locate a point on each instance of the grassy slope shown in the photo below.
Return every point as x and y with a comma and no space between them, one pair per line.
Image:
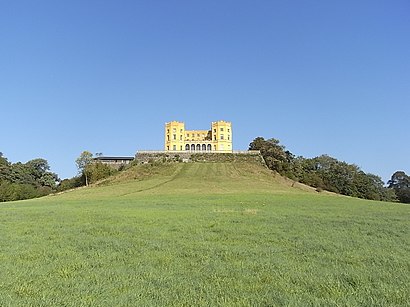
203,234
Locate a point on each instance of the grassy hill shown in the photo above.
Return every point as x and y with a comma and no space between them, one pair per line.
203,234
192,178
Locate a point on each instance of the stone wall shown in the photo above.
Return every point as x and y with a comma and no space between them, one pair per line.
184,156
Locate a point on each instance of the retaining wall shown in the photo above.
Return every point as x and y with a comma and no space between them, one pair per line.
186,156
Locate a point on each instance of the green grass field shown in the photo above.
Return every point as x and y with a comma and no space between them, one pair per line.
203,234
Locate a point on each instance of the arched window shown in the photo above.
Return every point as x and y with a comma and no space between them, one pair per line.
198,147
187,147
193,147
209,147
203,147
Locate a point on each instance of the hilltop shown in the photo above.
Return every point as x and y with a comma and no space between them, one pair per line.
194,178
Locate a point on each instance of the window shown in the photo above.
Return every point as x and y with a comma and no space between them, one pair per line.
180,137
168,137
174,130
180,148
174,147
180,130
174,136
187,135
222,129
197,134
214,137
214,130
167,130
229,137
222,136
229,130
167,147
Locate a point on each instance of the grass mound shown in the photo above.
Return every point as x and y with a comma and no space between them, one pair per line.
196,178
203,234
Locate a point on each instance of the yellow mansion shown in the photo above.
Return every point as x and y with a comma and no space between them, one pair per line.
218,139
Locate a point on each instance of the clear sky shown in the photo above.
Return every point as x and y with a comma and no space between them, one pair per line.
323,77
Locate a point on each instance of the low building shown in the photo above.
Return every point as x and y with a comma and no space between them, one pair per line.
217,139
115,162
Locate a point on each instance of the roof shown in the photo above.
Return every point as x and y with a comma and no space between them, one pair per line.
114,158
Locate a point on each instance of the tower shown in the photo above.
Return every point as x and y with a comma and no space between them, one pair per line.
174,136
222,136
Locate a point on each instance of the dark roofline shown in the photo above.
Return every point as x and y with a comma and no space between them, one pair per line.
114,158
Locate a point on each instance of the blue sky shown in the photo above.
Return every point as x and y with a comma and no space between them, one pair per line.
323,77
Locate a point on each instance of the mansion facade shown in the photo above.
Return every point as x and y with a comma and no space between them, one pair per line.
218,139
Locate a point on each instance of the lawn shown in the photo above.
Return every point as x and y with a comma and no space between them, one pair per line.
203,235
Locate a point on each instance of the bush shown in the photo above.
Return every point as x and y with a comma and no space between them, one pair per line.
17,191
98,171
72,183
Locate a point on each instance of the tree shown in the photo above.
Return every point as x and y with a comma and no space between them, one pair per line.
400,182
4,168
20,173
83,162
3,160
25,180
67,184
370,186
39,169
275,155
322,172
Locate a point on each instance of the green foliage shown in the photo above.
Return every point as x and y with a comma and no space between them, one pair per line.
82,162
323,172
25,180
276,157
85,159
39,170
98,171
203,234
3,161
400,183
91,171
340,177
17,191
71,183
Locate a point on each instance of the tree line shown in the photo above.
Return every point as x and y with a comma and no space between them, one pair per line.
25,180
33,179
327,173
